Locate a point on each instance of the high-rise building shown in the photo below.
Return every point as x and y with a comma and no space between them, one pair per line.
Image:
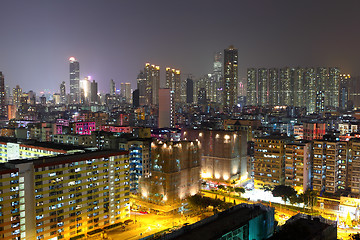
329,165
201,96
320,102
128,92
274,87
269,149
344,91
152,80
85,89
135,100
217,77
173,83
299,87
334,81
112,87
251,92
63,92
354,92
310,82
322,83
189,91
74,80
125,92
64,197
230,81
263,82
94,92
3,107
17,94
141,85
286,89
298,165
166,108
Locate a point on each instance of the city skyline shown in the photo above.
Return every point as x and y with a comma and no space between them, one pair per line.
111,41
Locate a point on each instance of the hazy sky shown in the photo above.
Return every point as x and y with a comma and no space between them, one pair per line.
114,39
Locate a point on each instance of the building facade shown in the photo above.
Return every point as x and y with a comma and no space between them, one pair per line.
64,196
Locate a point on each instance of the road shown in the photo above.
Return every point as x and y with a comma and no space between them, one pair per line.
148,224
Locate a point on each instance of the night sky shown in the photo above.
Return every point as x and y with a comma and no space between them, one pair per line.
114,39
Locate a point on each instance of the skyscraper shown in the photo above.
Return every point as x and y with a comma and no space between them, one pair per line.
310,81
299,87
322,84
125,92
218,76
94,92
141,86
251,90
3,107
112,87
230,78
166,108
152,76
334,80
173,82
263,80
286,87
85,89
274,87
63,92
344,91
189,91
17,94
74,80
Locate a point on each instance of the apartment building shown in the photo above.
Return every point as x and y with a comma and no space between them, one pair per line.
269,164
298,165
64,196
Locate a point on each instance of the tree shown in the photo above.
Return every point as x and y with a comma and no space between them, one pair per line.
239,190
310,198
285,192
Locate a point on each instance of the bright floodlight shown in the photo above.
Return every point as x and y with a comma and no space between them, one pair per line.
72,59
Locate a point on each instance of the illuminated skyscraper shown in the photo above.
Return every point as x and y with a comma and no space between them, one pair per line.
310,81
85,90
125,92
299,87
17,94
3,107
334,81
274,87
63,92
344,91
152,76
217,78
230,78
322,84
286,93
251,91
74,80
263,81
173,83
141,86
